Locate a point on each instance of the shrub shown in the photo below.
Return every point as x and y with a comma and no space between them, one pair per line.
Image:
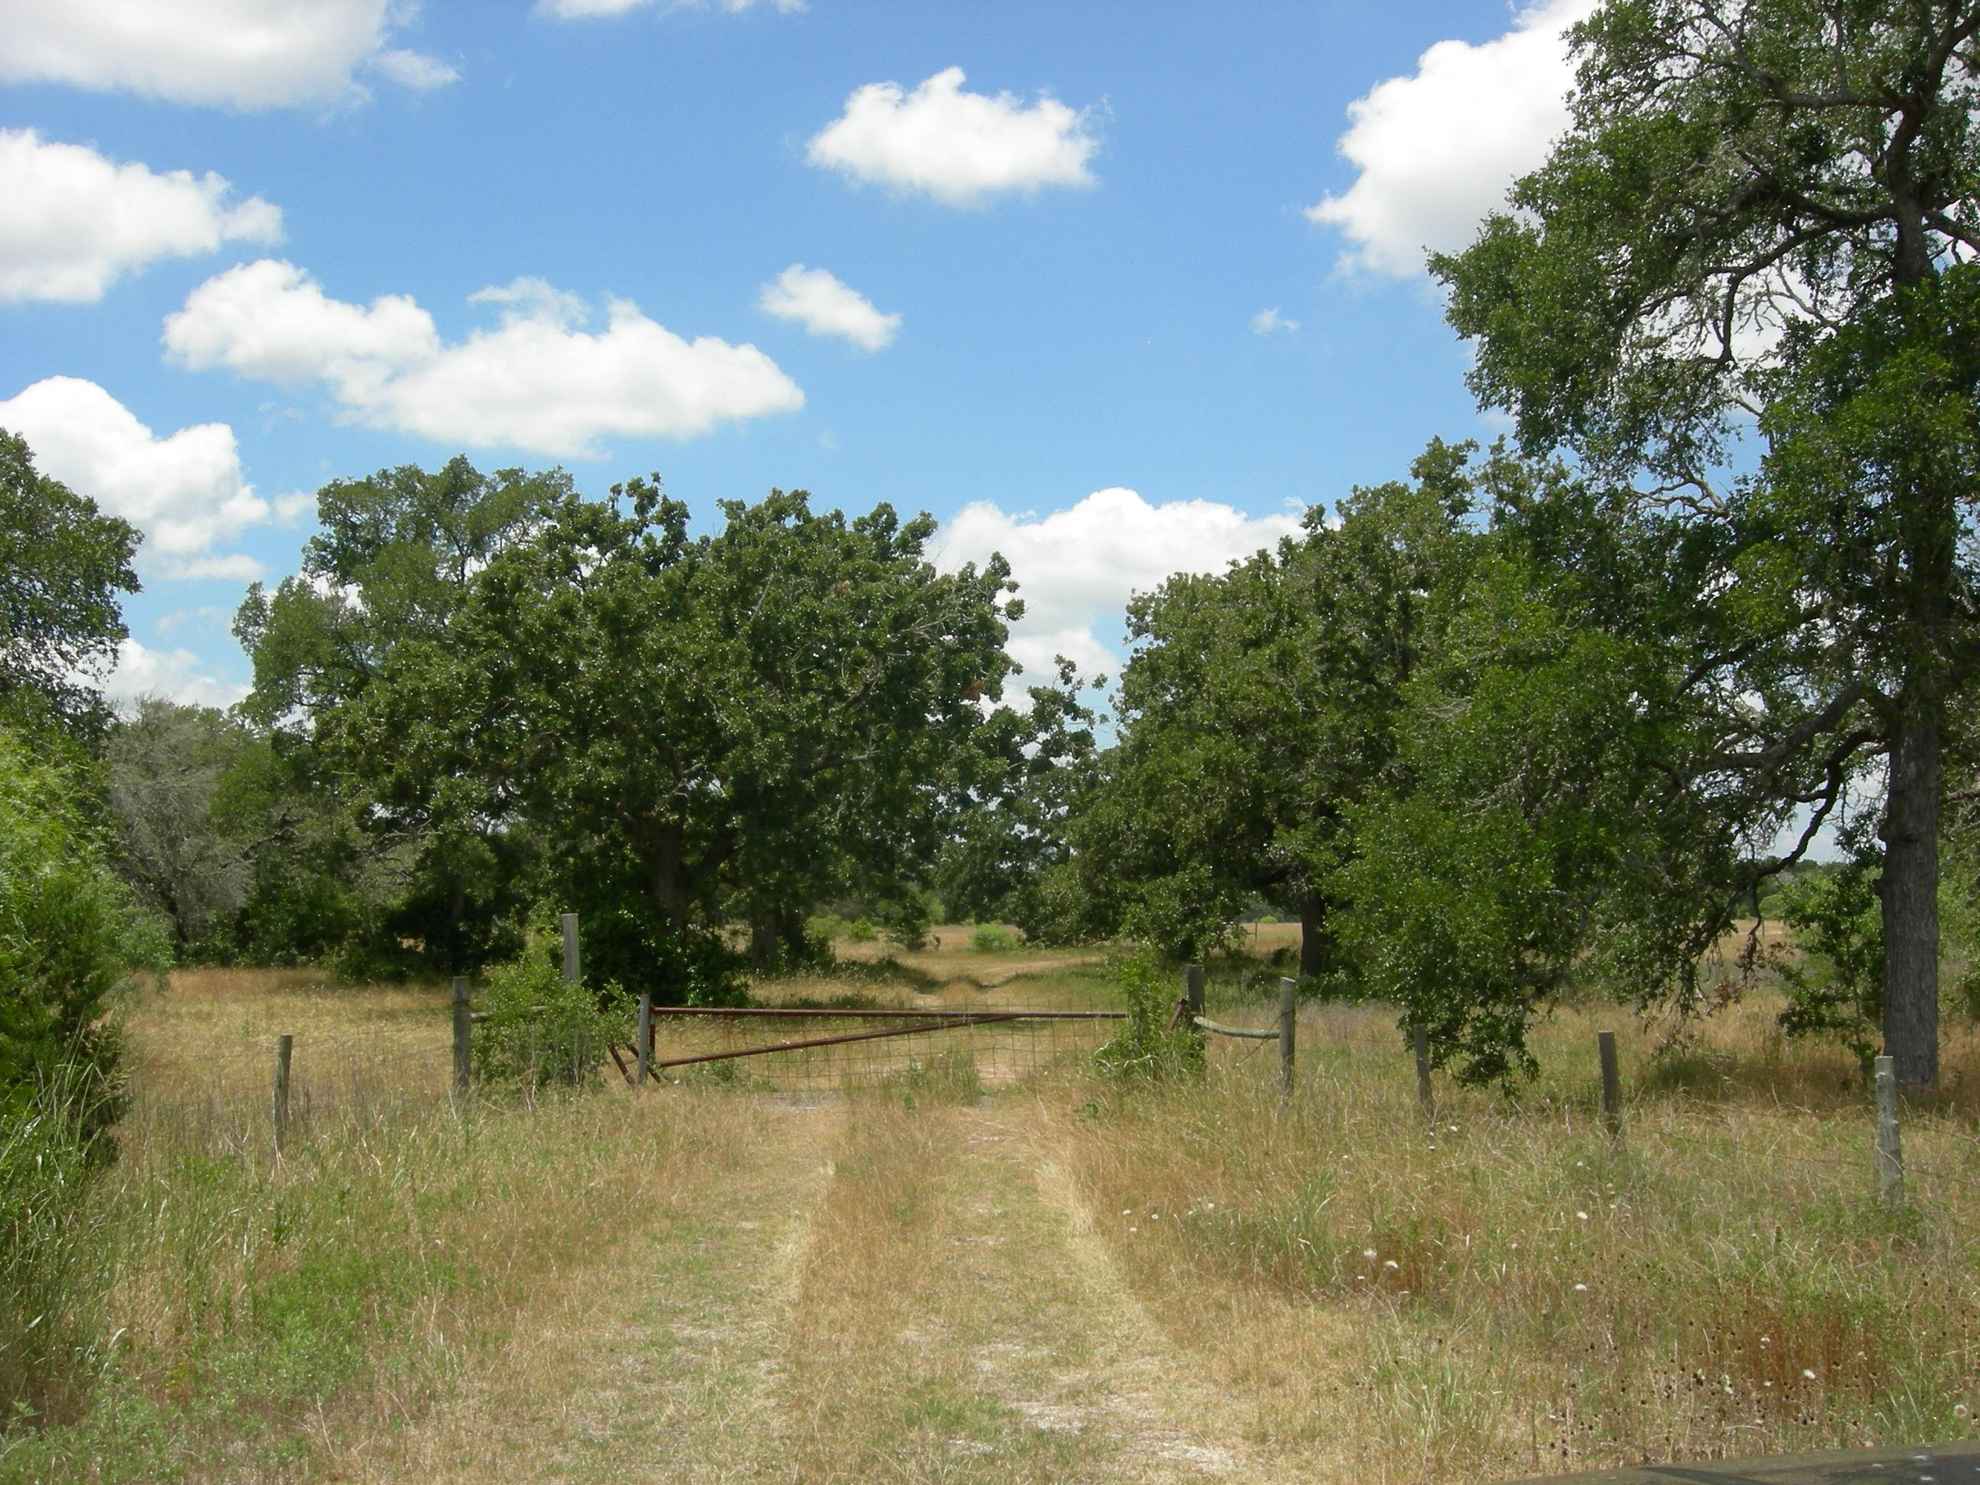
540,1028
862,931
70,938
994,938
1147,1046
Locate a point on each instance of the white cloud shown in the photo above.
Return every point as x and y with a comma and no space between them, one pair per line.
179,675
1436,150
290,509
584,10
1077,567
247,54
824,306
958,147
538,381
229,566
416,70
185,491
1271,322
76,221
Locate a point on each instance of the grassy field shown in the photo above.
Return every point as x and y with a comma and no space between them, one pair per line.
948,1274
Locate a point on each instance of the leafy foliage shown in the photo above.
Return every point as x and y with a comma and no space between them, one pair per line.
1148,1046
70,939
62,566
541,1029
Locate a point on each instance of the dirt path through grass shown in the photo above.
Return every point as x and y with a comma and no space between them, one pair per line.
884,1292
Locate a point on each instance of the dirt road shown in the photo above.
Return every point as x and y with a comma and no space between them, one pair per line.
882,1292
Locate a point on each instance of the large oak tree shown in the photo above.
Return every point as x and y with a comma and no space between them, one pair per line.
1769,211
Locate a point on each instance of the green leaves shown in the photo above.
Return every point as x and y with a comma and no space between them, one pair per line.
63,565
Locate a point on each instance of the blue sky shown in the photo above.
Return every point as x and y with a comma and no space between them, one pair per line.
1115,289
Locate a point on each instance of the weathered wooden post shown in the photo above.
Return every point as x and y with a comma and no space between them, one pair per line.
1890,1154
1288,1019
1420,1040
1605,1046
1193,1006
463,1029
285,1045
571,966
645,1036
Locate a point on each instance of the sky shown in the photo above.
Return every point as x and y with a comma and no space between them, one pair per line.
1117,290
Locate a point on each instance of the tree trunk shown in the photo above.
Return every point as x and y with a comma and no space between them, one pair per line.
1910,893
1313,936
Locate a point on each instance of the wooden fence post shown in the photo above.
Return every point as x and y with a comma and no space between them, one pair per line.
1890,1154
1605,1046
645,1036
1420,1040
463,1029
1193,1000
571,966
1288,1019
285,1045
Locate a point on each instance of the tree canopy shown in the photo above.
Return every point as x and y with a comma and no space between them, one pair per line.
1763,218
63,565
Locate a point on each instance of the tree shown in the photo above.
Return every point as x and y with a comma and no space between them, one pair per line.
1261,703
1770,210
166,765
62,566
351,658
769,714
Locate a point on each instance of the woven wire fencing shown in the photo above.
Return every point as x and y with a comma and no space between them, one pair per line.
224,1103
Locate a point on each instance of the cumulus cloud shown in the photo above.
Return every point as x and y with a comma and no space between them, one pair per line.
1271,322
185,491
248,54
824,306
1435,151
961,148
1077,567
77,221
538,381
178,675
584,10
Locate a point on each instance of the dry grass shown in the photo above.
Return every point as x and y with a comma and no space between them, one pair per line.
1503,1293
259,1313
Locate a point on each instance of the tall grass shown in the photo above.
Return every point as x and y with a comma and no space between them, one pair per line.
52,1282
1502,1291
223,1304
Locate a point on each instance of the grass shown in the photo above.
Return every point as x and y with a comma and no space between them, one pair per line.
1501,1292
952,1272
252,1310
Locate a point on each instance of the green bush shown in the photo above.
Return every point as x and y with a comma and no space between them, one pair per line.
862,931
70,939
994,938
539,1028
1148,1046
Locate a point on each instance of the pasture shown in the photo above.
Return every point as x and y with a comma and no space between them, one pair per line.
946,1273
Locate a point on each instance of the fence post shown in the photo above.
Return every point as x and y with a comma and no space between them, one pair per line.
1605,1046
285,1044
463,1029
1288,1018
569,921
1420,1039
645,1036
1193,1002
1890,1154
